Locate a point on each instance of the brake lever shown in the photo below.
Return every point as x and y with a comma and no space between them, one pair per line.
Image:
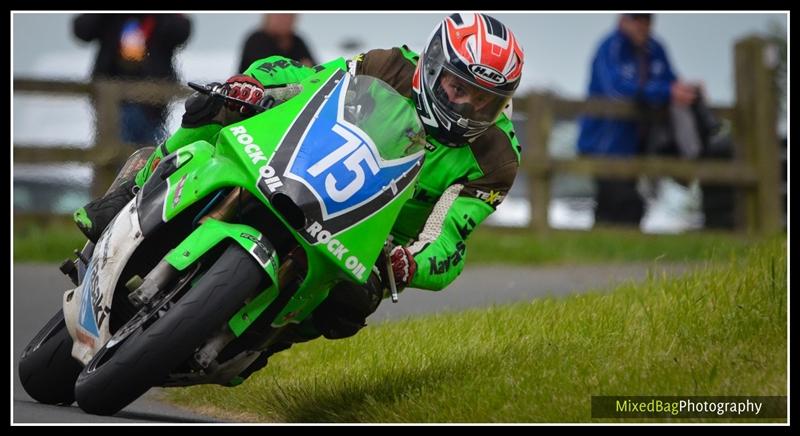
389,273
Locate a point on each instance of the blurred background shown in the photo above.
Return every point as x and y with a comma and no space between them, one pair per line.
559,48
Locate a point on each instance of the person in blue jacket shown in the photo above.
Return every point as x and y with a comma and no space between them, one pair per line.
629,65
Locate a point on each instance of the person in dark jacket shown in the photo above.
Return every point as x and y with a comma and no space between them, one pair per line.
629,65
276,37
135,47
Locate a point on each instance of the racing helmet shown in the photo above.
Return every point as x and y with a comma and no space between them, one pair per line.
466,76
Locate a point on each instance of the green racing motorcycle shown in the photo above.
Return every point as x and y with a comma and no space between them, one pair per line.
228,244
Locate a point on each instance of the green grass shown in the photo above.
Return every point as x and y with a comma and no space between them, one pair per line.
52,241
521,246
718,331
55,240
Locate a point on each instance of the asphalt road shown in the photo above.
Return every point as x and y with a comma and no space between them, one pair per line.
484,286
38,289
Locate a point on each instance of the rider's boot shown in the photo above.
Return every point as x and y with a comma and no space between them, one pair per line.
93,218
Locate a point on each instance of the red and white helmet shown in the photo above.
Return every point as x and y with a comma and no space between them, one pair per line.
466,76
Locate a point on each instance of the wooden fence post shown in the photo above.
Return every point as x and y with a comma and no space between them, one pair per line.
540,122
106,96
755,130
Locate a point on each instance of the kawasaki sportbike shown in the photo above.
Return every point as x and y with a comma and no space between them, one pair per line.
227,244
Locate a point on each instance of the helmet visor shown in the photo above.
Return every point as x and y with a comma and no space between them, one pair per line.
462,99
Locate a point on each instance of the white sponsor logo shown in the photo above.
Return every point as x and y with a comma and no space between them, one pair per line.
337,249
256,155
488,74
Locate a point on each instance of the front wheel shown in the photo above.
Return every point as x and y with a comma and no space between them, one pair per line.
118,375
47,369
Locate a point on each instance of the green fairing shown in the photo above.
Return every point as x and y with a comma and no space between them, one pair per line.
208,235
181,137
203,169
442,167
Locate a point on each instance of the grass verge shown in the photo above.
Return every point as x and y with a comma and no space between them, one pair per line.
524,247
717,331
49,241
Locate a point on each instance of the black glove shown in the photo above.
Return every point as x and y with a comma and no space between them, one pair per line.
200,109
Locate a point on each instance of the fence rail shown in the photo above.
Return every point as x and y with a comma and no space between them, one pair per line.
754,170
108,152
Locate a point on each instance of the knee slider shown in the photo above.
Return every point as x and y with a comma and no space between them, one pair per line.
335,326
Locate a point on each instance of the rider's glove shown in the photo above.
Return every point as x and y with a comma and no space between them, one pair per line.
243,88
403,266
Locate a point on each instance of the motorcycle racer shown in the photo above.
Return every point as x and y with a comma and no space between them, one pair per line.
461,85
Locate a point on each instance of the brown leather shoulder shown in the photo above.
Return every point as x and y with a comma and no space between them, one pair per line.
390,66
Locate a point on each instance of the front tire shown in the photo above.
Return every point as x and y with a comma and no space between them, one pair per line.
117,376
47,369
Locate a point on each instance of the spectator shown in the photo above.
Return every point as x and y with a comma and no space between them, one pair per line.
135,47
276,37
631,65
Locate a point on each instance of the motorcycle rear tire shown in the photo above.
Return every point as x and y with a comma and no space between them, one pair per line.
47,369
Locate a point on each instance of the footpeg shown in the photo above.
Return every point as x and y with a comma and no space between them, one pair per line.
68,269
81,257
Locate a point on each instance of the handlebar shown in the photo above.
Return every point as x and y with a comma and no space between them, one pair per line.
388,270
